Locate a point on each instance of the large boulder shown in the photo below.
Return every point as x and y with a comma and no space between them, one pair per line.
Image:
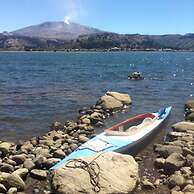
124,98
109,102
183,126
118,174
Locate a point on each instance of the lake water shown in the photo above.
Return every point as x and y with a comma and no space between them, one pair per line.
41,87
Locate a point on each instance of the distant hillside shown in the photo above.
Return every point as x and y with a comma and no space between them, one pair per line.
55,30
61,36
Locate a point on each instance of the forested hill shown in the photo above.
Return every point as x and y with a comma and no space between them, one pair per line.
93,39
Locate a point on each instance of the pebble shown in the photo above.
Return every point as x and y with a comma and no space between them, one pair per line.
2,188
38,174
12,190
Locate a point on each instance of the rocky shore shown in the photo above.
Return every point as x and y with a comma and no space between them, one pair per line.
24,168
22,164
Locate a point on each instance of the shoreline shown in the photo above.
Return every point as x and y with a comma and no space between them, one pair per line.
35,156
96,51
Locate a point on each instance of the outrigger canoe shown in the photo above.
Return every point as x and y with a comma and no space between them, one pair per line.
120,137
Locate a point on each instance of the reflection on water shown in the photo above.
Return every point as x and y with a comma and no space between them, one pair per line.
38,88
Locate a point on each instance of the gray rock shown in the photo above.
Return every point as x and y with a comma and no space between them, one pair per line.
19,159
56,126
40,161
39,151
174,162
177,192
9,161
190,117
86,121
82,138
3,177
27,147
146,184
124,98
6,167
187,151
166,150
2,189
189,104
51,162
68,180
109,102
189,188
183,126
29,164
38,174
73,146
14,180
22,172
176,180
12,190
5,147
59,154
159,162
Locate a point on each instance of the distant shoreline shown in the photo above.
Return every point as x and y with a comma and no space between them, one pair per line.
92,51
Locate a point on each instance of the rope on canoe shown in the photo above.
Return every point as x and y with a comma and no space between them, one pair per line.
92,168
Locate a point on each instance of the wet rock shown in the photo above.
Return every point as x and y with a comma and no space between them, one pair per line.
68,180
183,126
29,164
5,147
6,167
146,184
14,180
190,117
166,150
174,162
176,180
56,126
38,174
135,76
109,102
59,154
22,172
12,190
82,138
2,189
19,159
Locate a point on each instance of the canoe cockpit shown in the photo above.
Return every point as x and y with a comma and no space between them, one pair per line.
131,126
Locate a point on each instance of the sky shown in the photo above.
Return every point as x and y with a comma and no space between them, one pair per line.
121,16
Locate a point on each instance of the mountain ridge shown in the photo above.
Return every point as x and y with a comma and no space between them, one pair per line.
61,36
55,30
